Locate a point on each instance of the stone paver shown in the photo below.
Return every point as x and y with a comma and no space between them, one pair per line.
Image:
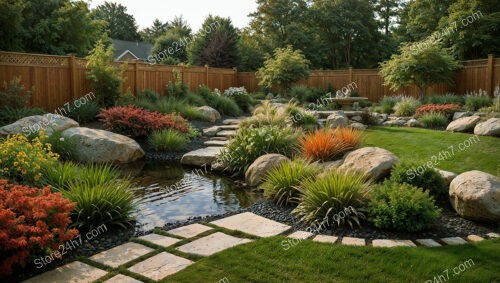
428,242
216,143
160,240
325,239
232,121
493,235
350,241
218,139
300,235
393,243
454,241
121,254
211,244
252,224
226,133
229,127
160,266
474,238
202,156
211,131
189,231
74,272
120,278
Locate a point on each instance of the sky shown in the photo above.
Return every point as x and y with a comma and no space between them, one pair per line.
193,11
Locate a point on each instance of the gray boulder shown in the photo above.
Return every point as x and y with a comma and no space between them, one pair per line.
374,162
465,124
210,114
489,128
256,173
33,124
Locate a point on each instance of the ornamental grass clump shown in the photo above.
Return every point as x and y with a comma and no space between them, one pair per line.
406,107
282,182
335,198
22,160
168,140
328,144
433,120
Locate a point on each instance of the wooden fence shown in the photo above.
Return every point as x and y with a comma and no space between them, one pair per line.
60,79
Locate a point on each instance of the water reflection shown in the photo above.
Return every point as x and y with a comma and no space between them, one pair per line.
170,192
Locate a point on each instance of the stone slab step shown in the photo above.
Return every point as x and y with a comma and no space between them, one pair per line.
252,224
454,241
474,238
202,156
159,240
233,121
350,241
120,278
121,254
428,243
72,272
393,243
300,235
211,244
325,239
160,266
226,133
216,143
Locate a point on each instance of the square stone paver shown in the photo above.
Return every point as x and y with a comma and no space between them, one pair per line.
215,143
252,224
226,133
300,235
211,244
120,278
493,235
393,243
122,254
325,239
189,231
350,241
474,238
74,272
428,243
160,266
454,241
160,240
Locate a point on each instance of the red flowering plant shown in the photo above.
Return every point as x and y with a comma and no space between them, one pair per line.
136,122
33,222
445,109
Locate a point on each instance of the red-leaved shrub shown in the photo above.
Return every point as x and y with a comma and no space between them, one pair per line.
32,221
326,144
135,122
445,109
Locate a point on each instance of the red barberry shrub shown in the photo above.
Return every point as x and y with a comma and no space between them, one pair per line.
32,222
136,122
445,109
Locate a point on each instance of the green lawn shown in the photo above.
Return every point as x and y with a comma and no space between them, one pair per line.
265,260
483,153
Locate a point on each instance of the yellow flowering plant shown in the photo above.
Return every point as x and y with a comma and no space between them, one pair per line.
22,160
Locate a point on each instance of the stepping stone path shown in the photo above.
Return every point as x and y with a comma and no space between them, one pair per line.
211,244
163,264
189,231
252,224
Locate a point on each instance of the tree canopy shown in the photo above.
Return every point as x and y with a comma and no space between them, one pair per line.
118,23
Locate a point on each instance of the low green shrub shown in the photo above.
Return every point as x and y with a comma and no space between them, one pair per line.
401,207
406,107
195,99
433,120
387,103
240,96
258,95
494,108
225,105
10,115
266,115
281,182
149,94
64,147
13,94
444,99
334,198
251,143
420,176
474,103
301,118
168,140
300,92
85,113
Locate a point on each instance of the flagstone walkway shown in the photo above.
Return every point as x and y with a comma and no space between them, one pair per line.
156,256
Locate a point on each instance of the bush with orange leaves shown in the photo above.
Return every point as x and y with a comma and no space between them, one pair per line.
327,144
32,222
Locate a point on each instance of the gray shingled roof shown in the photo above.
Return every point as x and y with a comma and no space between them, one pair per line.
140,49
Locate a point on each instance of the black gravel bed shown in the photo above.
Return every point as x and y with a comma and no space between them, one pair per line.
106,240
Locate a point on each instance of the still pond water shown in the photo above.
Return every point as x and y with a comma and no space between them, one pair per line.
169,192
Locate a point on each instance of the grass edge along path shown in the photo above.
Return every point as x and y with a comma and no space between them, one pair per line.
265,260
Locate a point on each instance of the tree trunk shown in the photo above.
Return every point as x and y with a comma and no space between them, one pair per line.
421,93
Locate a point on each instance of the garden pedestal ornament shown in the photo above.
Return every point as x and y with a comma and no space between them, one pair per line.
346,102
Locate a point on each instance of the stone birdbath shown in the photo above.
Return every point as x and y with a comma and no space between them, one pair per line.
346,102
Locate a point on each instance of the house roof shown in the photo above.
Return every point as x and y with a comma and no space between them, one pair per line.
141,50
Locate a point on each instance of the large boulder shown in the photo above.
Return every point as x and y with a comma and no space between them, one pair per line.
465,124
98,146
201,157
458,115
210,114
373,161
33,124
488,128
336,120
358,126
412,123
259,168
447,176
475,195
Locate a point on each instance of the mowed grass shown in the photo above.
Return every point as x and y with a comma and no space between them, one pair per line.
422,145
265,260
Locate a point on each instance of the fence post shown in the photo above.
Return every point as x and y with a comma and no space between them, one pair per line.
489,75
350,74
206,75
182,72
235,82
136,76
72,76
